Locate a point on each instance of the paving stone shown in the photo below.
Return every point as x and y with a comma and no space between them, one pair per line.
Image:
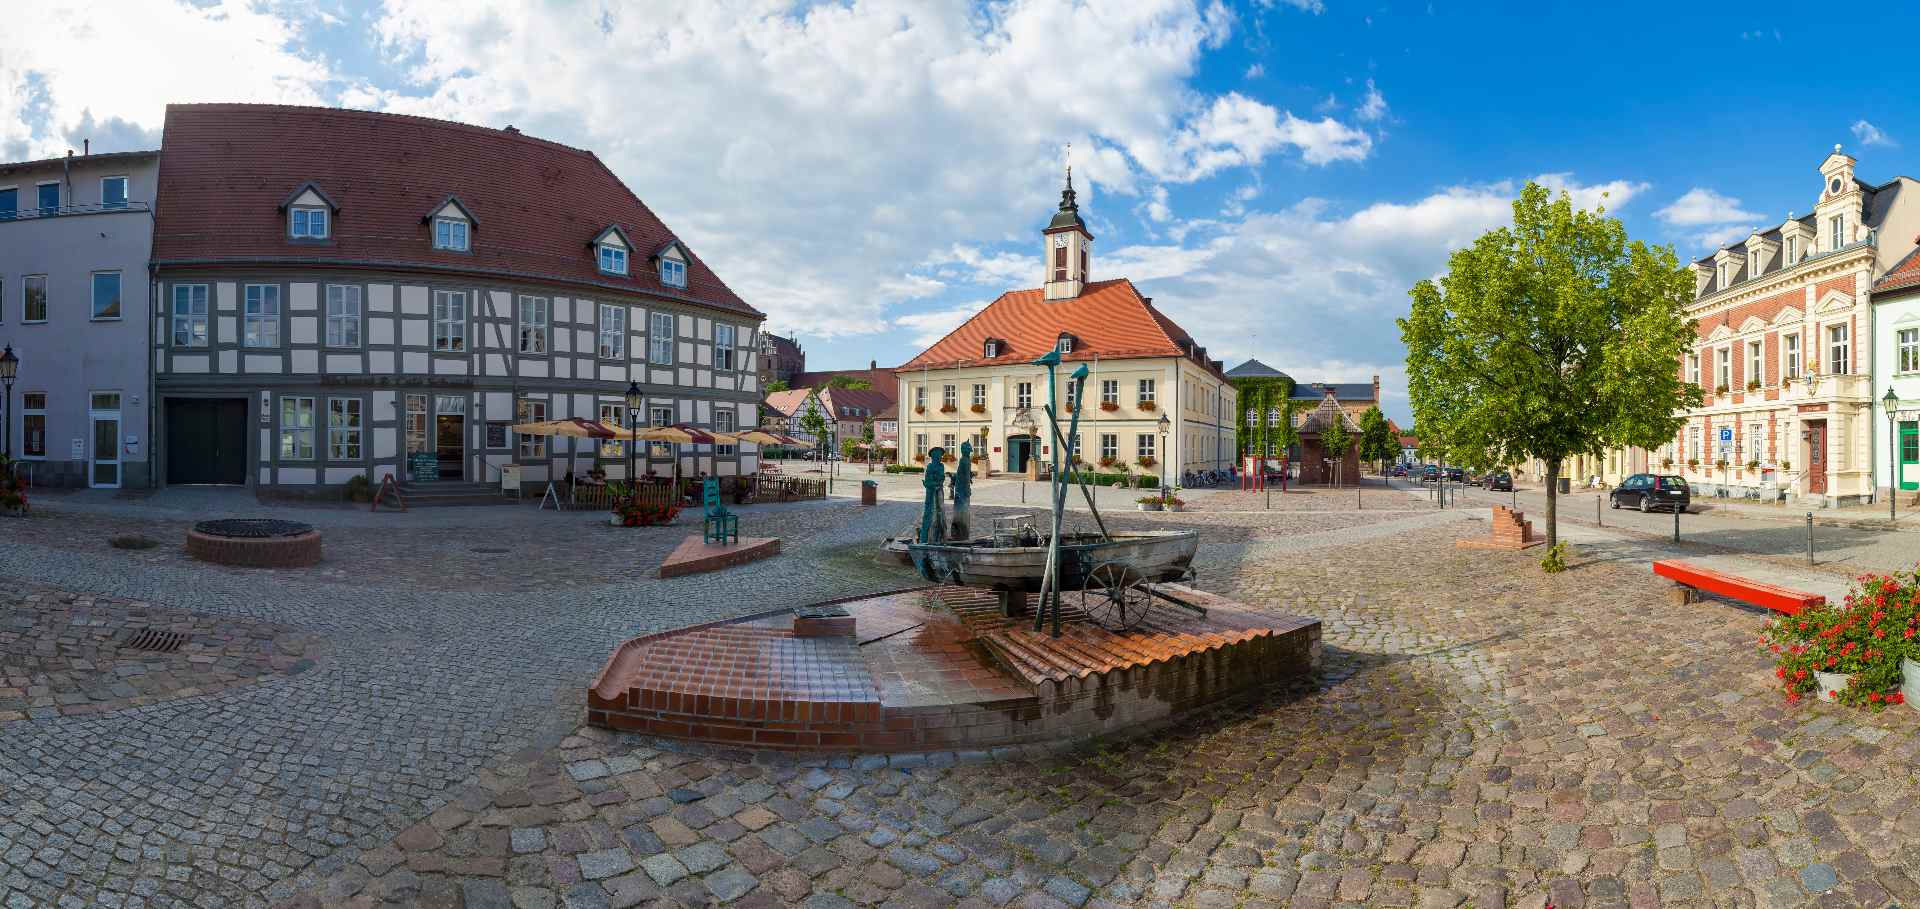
604,863
663,868
731,883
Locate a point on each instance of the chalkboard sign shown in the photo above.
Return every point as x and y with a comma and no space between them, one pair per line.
424,466
496,435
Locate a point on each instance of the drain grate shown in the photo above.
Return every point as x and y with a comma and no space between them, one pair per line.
156,640
491,550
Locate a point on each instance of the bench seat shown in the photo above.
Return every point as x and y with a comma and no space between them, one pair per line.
1771,596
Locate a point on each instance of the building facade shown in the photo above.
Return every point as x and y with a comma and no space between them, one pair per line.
348,294
1786,351
979,383
1896,368
782,359
75,233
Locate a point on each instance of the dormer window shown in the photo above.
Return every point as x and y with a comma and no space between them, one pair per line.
673,273
991,349
307,223
1064,345
450,233
613,259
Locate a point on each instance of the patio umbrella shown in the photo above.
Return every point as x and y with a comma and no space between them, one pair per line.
573,427
676,434
767,437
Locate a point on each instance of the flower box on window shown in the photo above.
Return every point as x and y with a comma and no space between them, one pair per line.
948,408
1071,407
1720,464
1753,386
978,408
1107,462
1146,405
920,459
1109,406
919,408
948,458
1720,390
1145,461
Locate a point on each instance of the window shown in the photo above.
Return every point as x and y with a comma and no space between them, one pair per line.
660,339
1907,341
723,422
920,398
1753,441
33,299
1754,373
416,423
262,315
920,445
1072,394
296,429
106,295
1143,445
33,427
533,325
1109,446
450,233
343,429
1790,370
306,223
947,445
532,447
1074,447
613,259
1753,264
1693,443
49,194
613,331
1726,274
614,414
1023,394
990,350
1723,368
1837,225
1693,368
9,204
947,397
450,320
1839,360
1110,391
343,315
1146,390
1788,258
105,400
659,415
980,395
189,314
1059,263
1064,345
673,272
113,192
723,346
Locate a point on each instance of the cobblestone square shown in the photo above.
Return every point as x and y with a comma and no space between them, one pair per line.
402,725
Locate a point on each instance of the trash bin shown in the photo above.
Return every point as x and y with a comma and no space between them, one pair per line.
1566,485
869,492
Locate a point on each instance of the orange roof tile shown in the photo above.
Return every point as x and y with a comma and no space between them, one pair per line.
1109,320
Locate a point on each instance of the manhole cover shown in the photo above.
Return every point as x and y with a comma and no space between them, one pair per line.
252,528
491,550
156,640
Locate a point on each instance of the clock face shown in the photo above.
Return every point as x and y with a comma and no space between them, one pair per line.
1060,241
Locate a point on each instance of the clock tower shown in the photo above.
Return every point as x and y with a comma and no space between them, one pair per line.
1067,247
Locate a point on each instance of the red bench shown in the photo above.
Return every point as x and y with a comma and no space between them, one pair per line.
1688,578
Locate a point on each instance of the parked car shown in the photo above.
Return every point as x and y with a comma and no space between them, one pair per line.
1399,470
1456,474
1429,473
1648,491
1500,482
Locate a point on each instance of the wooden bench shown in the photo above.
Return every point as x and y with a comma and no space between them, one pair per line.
1689,578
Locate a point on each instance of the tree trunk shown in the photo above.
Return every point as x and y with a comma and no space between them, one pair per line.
1553,502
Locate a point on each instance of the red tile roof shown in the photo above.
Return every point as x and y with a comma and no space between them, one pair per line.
1904,273
537,205
787,403
1109,320
880,378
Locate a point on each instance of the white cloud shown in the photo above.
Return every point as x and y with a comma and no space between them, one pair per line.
929,327
1611,195
1868,134
1702,206
1374,106
1255,71
1315,7
1720,236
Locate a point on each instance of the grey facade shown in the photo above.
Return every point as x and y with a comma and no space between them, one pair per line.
81,409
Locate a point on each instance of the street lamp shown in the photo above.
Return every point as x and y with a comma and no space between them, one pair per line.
634,400
1165,454
9,367
1890,402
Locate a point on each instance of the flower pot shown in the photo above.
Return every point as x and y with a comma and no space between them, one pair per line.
1830,682
1173,507
1148,507
1910,682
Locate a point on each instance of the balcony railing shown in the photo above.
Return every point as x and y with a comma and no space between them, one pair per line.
34,214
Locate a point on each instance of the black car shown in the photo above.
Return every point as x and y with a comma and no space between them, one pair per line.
1456,474
1500,482
1649,491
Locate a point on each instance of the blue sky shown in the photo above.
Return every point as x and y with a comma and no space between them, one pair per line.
1275,174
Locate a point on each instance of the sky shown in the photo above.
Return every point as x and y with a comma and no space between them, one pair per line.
1274,173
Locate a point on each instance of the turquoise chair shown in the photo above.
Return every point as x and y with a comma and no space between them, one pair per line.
721,526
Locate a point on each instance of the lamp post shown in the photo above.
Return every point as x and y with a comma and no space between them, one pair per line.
634,400
1890,402
1165,454
9,367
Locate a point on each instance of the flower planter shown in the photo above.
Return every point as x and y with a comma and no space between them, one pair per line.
1829,682
1145,506
1910,682
1173,507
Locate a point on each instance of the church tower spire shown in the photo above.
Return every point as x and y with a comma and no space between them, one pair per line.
1067,247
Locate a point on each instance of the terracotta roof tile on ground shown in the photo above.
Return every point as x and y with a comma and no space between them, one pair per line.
537,205
1109,320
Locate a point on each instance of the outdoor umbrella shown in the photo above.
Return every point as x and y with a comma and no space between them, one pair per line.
677,434
574,427
767,437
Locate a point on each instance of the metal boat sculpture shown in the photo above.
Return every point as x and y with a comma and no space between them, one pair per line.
1155,555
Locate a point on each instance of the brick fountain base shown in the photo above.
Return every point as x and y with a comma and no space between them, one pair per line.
939,668
255,543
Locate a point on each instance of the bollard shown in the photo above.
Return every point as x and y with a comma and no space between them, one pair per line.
1676,524
1597,518
1356,498
1810,538
1023,492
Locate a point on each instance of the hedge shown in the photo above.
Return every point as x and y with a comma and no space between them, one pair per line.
906,468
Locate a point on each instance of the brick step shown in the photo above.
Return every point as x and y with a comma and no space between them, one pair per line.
428,495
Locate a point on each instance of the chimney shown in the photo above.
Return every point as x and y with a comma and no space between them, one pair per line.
86,147
1376,389
510,128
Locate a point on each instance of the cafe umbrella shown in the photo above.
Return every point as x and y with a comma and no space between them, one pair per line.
674,434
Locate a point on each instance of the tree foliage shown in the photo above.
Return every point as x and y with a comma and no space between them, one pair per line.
774,385
848,382
1377,441
814,421
1552,337
1259,398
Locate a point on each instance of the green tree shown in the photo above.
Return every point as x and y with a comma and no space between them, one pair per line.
814,421
848,382
1553,337
778,385
1377,441
1336,440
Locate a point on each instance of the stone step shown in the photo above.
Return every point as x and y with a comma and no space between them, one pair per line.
427,495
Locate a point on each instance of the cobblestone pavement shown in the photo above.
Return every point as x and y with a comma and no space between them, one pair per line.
1481,734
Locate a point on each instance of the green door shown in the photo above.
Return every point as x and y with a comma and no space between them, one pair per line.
1910,455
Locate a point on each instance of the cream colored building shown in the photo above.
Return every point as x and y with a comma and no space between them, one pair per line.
979,383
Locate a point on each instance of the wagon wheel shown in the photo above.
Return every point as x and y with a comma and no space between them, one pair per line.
1116,595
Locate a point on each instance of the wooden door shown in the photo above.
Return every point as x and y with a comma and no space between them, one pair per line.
1817,458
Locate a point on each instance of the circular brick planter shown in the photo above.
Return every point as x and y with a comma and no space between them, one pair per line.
254,543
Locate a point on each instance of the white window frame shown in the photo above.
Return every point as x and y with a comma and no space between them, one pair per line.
27,412
613,413
980,394
345,422
1756,363
1145,446
1110,445
93,298
449,327
613,331
195,315
724,420
949,397
415,428
1110,391
1723,368
301,222
296,429
126,192
531,447
260,323
1064,345
58,197
1839,348
1906,343
1786,252
1789,357
1147,389
723,346
1838,226
673,273
1693,368
534,313
991,349
612,259
659,415
1023,395
452,234
344,312
920,445
920,397
660,336
27,283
